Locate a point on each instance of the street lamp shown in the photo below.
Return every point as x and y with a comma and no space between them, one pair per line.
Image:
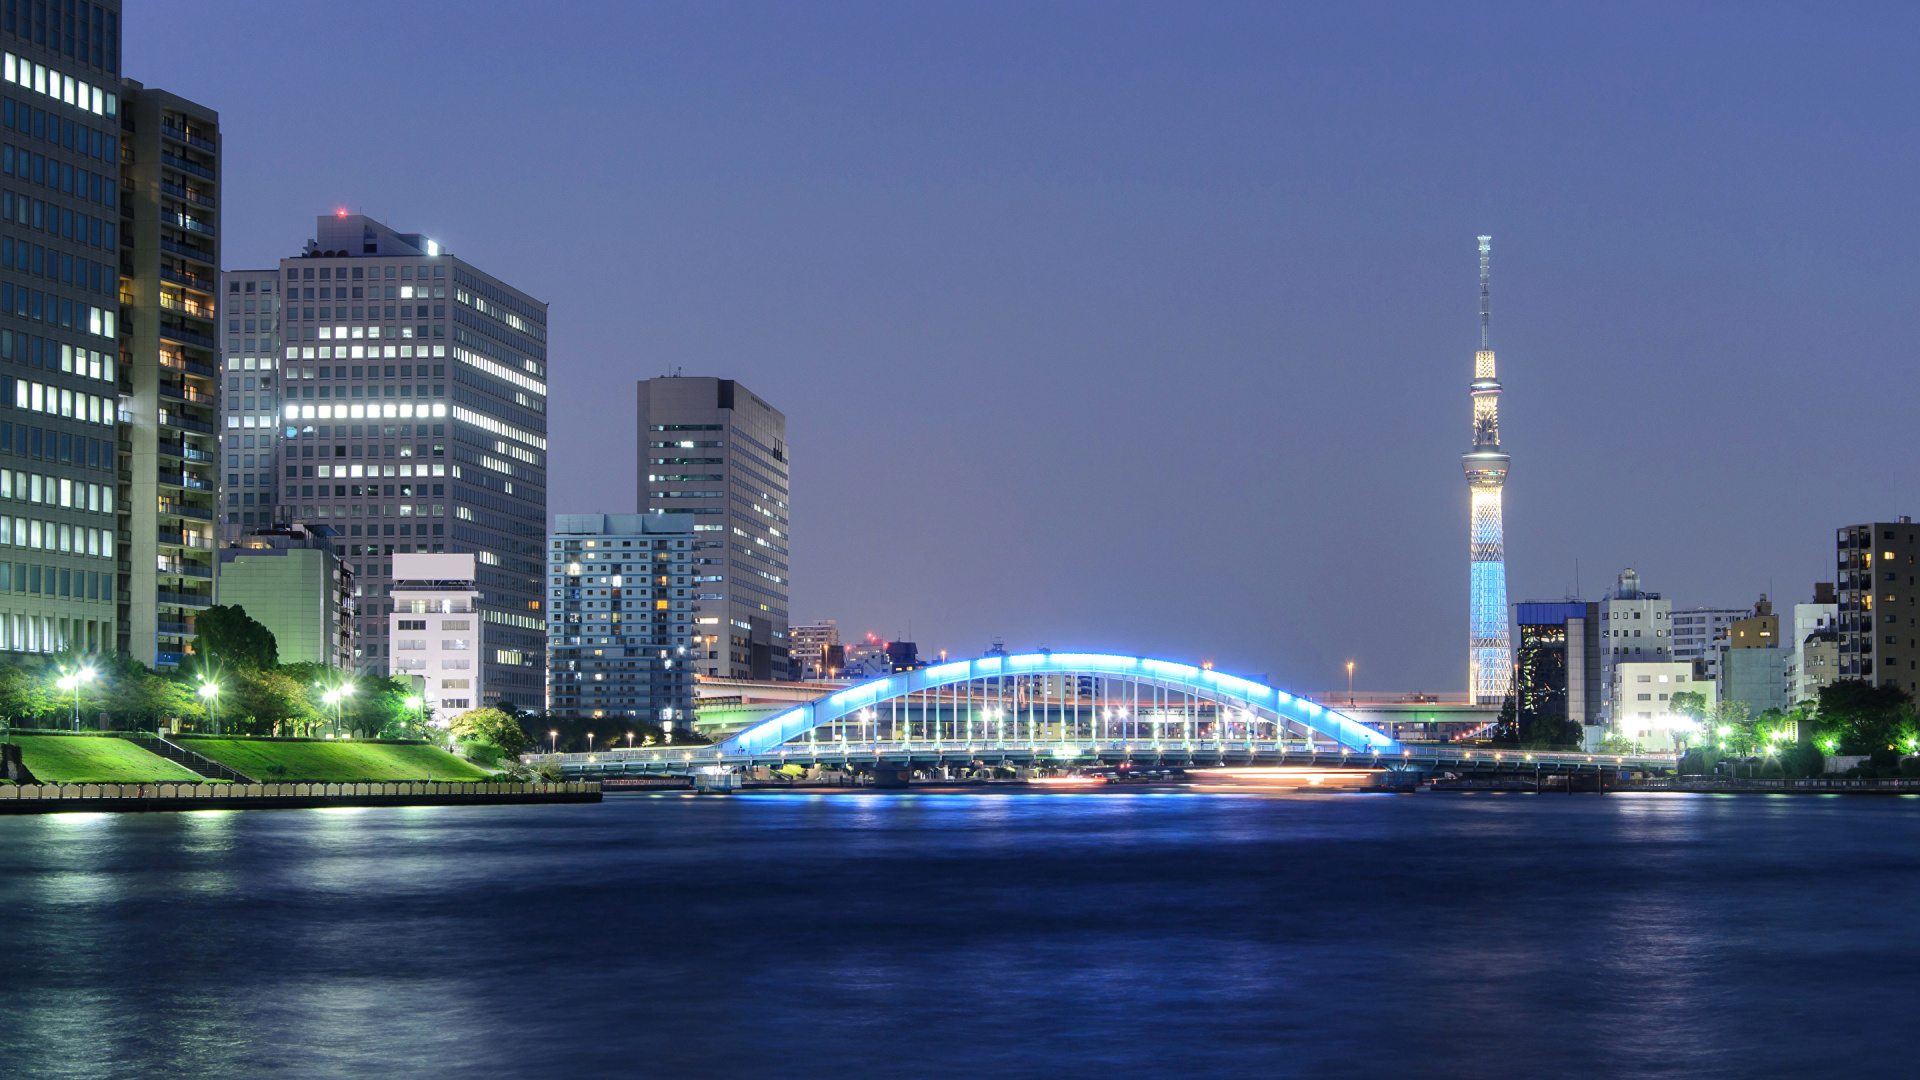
1349,684
419,703
211,691
553,741
73,681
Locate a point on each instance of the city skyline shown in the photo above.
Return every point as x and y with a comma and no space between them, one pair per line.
1020,285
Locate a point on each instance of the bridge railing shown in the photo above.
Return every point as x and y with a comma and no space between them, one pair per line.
1090,751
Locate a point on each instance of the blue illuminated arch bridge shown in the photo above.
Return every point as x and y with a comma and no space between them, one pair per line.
1077,710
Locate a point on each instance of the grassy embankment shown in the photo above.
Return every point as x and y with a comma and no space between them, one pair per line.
84,759
275,760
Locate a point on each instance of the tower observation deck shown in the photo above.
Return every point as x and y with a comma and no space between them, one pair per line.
1489,657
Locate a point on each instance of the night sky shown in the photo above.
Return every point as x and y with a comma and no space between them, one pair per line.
1148,329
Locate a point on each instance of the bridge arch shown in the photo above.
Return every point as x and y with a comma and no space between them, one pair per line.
1026,681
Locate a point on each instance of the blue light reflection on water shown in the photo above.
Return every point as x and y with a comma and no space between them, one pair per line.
1046,934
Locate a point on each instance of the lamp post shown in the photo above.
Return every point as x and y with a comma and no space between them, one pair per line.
210,690
419,704
553,741
73,681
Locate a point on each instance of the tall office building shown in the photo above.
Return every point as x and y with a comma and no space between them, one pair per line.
1878,625
710,448
60,249
1489,661
413,420
250,413
1557,663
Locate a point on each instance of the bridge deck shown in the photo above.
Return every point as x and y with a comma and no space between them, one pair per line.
661,761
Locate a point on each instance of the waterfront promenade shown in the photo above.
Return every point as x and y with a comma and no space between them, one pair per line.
132,798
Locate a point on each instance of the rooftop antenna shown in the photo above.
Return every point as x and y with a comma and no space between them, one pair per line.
1486,296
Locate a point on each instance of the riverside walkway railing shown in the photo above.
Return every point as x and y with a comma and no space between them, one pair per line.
54,798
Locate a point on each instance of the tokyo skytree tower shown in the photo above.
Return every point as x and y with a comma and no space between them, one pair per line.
1489,657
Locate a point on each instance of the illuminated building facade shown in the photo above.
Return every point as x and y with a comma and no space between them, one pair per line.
60,336
250,405
1877,596
1490,660
620,614
413,403
713,449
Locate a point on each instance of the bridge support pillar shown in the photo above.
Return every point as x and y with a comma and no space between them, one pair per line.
892,779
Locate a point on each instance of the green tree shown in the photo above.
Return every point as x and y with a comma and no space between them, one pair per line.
1857,717
228,635
491,726
23,694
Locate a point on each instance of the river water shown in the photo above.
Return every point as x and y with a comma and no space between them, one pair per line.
1113,934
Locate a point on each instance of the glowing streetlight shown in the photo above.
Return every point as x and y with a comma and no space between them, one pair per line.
210,690
74,680
1349,684
553,744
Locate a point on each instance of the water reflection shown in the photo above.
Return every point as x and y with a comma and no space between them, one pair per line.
1114,934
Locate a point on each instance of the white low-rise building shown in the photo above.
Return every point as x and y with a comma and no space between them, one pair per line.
435,630
1642,694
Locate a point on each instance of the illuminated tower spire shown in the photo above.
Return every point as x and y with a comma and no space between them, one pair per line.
1489,657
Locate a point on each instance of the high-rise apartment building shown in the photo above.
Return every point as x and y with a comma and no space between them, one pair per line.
712,449
620,617
170,368
250,413
1878,615
412,419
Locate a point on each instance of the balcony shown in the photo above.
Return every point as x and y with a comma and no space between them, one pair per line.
187,193
180,509
175,363
183,392
184,569
186,135
180,479
190,306
183,599
168,659
185,423
182,221
178,629
185,166
178,538
187,278
188,250
176,332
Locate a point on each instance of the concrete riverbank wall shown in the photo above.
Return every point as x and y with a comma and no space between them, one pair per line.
134,798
